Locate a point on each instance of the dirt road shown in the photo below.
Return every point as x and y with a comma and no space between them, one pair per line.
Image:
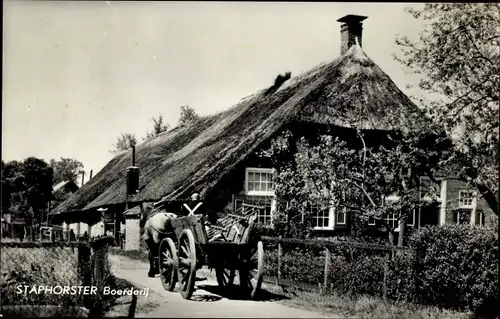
206,302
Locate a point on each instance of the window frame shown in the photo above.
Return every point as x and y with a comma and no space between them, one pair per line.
395,198
314,216
481,218
269,171
461,210
472,204
341,211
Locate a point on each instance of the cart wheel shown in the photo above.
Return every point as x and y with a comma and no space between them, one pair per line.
225,277
167,257
252,272
187,263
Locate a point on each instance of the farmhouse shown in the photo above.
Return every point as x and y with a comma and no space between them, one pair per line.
220,156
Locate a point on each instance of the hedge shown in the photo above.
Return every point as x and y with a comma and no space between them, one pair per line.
349,273
455,266
451,266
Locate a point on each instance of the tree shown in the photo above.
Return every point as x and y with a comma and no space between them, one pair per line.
66,169
158,127
458,60
124,142
188,115
12,185
29,189
355,176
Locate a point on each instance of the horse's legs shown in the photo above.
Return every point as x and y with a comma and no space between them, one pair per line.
151,257
156,247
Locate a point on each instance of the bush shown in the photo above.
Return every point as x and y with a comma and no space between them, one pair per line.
451,267
455,266
401,277
351,272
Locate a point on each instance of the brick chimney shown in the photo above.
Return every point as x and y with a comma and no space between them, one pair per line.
350,29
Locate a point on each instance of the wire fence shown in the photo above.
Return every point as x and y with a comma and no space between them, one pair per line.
40,279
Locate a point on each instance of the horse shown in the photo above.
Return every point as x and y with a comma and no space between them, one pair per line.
155,224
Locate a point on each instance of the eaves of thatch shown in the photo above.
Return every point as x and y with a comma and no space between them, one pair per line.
351,91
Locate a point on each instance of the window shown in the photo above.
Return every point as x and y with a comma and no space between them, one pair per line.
466,207
479,218
462,216
466,199
321,215
341,216
410,219
259,181
392,219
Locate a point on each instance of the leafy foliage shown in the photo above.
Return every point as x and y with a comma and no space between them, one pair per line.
458,60
124,142
336,172
27,188
455,266
351,272
158,127
66,169
188,115
451,267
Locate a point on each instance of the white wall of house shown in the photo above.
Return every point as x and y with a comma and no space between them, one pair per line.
97,229
75,227
132,234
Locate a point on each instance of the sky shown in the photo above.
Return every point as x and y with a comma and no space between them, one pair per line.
77,74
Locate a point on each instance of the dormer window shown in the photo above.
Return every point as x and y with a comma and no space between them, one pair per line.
466,207
466,199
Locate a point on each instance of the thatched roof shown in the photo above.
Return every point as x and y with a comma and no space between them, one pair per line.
63,190
351,90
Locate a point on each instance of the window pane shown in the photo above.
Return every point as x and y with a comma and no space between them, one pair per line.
250,186
268,187
258,186
260,177
319,222
410,220
341,218
479,218
251,176
466,198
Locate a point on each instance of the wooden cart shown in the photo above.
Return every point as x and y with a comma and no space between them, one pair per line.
237,256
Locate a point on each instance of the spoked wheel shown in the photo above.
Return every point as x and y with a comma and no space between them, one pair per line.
225,277
251,272
168,263
187,263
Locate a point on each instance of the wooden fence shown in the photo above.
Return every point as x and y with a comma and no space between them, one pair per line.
327,246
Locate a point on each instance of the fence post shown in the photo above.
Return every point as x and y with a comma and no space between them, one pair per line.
386,270
328,259
280,252
84,270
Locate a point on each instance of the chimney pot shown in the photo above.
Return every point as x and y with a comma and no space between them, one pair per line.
350,30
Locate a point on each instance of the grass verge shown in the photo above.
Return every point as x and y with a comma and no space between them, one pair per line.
362,306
